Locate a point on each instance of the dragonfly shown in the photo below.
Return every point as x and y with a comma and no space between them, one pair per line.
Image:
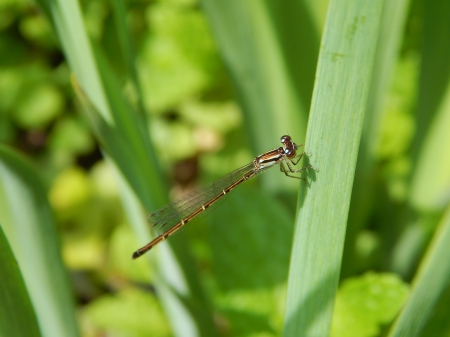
174,216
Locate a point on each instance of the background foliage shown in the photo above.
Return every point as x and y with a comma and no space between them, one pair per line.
109,109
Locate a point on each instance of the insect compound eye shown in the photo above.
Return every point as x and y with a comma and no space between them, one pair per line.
289,152
285,139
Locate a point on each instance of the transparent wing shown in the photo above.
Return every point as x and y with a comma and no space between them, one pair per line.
171,214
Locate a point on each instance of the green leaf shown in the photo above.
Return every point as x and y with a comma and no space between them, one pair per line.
123,134
271,50
339,100
17,317
179,58
365,303
29,225
364,187
253,312
431,182
430,285
250,230
41,104
129,312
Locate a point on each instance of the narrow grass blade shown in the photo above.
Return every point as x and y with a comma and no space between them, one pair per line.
181,295
28,223
129,55
435,68
431,177
123,133
17,317
270,50
429,285
336,119
389,43
431,181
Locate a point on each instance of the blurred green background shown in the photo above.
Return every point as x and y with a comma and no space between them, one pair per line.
110,109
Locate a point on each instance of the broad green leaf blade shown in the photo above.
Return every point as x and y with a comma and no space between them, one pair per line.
28,223
336,119
17,317
429,285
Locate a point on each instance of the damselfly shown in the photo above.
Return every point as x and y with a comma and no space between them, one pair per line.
172,217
